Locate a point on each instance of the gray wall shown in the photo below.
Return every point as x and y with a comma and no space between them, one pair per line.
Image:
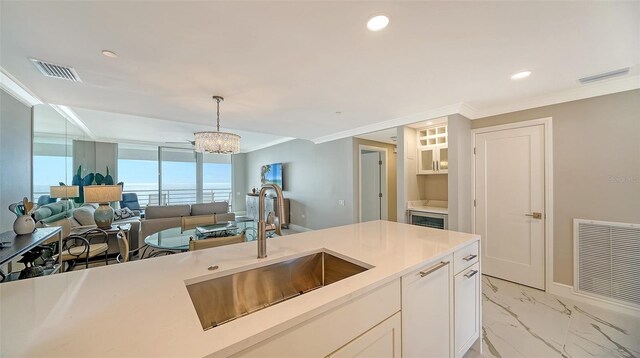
596,165
15,156
316,176
434,187
95,157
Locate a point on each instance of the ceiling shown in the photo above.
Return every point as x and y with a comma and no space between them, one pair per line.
135,129
385,136
287,68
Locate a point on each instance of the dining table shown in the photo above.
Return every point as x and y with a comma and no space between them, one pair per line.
176,239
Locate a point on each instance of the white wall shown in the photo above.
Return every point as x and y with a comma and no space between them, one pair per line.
316,177
408,188
239,181
459,181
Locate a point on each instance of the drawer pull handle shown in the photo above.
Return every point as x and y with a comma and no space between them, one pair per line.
470,257
434,268
471,274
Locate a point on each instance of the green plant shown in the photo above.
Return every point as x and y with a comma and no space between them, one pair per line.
108,179
81,183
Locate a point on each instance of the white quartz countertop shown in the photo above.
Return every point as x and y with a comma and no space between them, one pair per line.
430,209
142,308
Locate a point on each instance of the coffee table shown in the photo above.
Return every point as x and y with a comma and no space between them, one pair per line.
175,239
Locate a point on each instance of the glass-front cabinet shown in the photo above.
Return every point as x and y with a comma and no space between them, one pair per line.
433,150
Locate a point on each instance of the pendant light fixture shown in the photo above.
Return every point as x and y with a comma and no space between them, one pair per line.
217,142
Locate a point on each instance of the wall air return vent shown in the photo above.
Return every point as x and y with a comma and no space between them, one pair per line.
607,260
56,71
604,76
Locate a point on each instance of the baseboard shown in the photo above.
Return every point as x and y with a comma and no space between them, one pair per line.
295,227
560,289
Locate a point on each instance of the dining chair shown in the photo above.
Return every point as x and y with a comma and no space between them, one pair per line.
123,244
78,247
191,222
215,242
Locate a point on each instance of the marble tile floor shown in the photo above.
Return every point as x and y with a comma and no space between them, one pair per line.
519,321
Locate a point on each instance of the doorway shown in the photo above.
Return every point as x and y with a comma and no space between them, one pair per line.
511,189
373,183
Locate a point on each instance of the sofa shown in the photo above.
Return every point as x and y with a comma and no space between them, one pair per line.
158,218
82,218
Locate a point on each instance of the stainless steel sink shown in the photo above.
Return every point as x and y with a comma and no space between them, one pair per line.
223,299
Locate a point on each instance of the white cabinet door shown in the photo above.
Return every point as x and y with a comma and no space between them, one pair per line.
382,340
427,161
442,164
427,311
467,308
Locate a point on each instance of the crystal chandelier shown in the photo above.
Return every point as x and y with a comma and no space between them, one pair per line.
217,142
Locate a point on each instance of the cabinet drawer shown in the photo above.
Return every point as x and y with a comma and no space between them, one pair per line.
465,257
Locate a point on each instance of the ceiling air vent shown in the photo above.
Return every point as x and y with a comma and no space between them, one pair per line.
56,71
604,76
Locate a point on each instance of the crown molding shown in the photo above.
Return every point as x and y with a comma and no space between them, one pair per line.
17,90
268,144
396,122
583,92
471,112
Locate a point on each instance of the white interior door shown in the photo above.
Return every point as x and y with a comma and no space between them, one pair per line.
371,202
509,182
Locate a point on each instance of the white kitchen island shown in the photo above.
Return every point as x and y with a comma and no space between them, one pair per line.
420,293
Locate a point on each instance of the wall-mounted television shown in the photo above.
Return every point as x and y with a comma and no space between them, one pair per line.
272,174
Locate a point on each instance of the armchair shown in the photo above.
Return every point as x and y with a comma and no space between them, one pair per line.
130,200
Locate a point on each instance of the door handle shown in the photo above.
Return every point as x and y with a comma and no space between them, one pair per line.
437,166
434,268
535,215
433,166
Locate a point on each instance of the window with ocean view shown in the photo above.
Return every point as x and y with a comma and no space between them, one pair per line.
178,184
51,165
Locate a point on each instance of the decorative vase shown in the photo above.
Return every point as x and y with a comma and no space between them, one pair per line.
103,216
23,225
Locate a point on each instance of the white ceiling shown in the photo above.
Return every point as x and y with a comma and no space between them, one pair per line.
384,136
286,68
48,120
123,128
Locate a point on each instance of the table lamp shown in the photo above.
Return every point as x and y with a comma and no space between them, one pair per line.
103,195
64,191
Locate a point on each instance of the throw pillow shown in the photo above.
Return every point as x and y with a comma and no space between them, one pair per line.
123,213
84,215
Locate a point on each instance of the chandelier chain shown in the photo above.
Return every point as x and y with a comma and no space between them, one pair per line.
218,114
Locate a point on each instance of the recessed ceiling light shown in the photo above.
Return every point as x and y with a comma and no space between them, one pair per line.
377,23
520,75
109,53
429,123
